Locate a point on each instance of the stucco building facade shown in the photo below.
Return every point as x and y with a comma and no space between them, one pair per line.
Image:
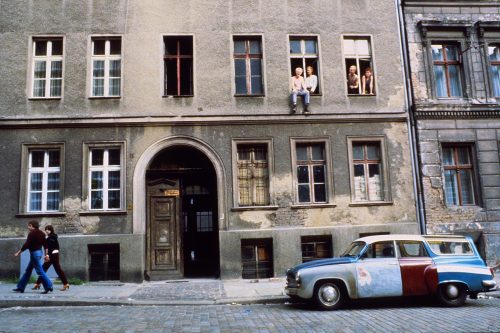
453,52
158,138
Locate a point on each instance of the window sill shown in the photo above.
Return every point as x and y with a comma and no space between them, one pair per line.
41,214
245,208
243,95
361,95
313,205
102,212
176,96
370,203
44,98
105,97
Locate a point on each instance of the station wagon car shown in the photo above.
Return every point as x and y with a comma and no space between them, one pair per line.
447,267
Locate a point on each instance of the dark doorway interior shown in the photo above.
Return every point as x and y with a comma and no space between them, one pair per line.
104,262
198,220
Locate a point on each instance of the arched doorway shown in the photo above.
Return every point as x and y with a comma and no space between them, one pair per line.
182,215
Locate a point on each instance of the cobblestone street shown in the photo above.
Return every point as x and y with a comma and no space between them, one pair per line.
381,316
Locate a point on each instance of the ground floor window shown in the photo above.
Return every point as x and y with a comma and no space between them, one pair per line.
257,258
104,262
316,247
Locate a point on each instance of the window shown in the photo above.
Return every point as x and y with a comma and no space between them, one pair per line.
447,63
257,258
409,249
44,180
316,247
380,250
304,54
248,66
449,246
359,66
311,172
253,174
47,75
494,56
367,171
105,178
178,65
459,177
106,67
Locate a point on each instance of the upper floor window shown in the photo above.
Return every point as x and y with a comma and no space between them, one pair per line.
447,69
44,174
248,66
106,67
178,65
105,175
459,178
304,54
253,175
494,56
47,64
359,66
311,172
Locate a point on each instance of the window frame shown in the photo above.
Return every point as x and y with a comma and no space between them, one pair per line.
107,57
446,64
25,178
473,171
193,65
86,176
329,191
49,58
357,57
268,142
248,56
303,56
489,65
316,240
385,173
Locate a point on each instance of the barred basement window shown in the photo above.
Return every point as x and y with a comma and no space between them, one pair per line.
316,247
47,72
459,177
178,63
253,175
257,258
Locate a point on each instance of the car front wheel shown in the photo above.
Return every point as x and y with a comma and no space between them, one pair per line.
452,294
329,296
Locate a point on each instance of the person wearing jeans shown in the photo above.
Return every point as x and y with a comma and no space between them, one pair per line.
298,87
34,242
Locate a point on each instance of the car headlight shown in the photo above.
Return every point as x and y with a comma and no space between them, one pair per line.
297,278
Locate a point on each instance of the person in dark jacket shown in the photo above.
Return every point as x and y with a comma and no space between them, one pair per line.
53,245
34,242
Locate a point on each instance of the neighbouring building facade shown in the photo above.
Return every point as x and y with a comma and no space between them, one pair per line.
454,55
157,136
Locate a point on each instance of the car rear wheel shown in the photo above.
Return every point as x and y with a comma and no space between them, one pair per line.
329,296
452,294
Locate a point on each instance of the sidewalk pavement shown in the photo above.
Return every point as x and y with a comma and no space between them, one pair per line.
172,292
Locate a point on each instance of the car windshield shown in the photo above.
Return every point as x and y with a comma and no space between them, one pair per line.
354,249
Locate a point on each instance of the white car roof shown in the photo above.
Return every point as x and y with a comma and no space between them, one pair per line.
390,237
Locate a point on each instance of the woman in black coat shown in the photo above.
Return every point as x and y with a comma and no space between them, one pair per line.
53,247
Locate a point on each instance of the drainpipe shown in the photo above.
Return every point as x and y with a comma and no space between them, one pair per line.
411,121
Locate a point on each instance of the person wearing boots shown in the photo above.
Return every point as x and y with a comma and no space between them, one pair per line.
298,87
53,246
34,243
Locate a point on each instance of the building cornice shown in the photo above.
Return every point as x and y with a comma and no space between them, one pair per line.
96,122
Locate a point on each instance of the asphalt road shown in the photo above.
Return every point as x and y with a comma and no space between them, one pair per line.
381,316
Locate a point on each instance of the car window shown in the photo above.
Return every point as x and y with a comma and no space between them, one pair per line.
412,249
380,250
451,247
354,249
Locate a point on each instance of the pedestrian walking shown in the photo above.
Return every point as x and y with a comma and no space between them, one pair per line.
53,246
34,243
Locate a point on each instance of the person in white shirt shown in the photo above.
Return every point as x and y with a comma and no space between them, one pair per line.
311,80
298,88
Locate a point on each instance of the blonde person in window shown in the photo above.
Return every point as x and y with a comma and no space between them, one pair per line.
311,80
298,88
367,82
352,81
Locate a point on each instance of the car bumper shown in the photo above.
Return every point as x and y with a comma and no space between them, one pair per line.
291,291
489,284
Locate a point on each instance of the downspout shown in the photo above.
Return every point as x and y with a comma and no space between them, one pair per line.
411,121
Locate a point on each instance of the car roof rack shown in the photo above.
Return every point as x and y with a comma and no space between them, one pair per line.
444,236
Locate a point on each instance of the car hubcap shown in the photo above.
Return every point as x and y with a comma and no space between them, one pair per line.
452,291
329,294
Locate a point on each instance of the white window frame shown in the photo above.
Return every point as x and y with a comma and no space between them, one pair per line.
107,58
386,190
105,168
48,59
268,142
328,170
27,171
358,57
303,56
